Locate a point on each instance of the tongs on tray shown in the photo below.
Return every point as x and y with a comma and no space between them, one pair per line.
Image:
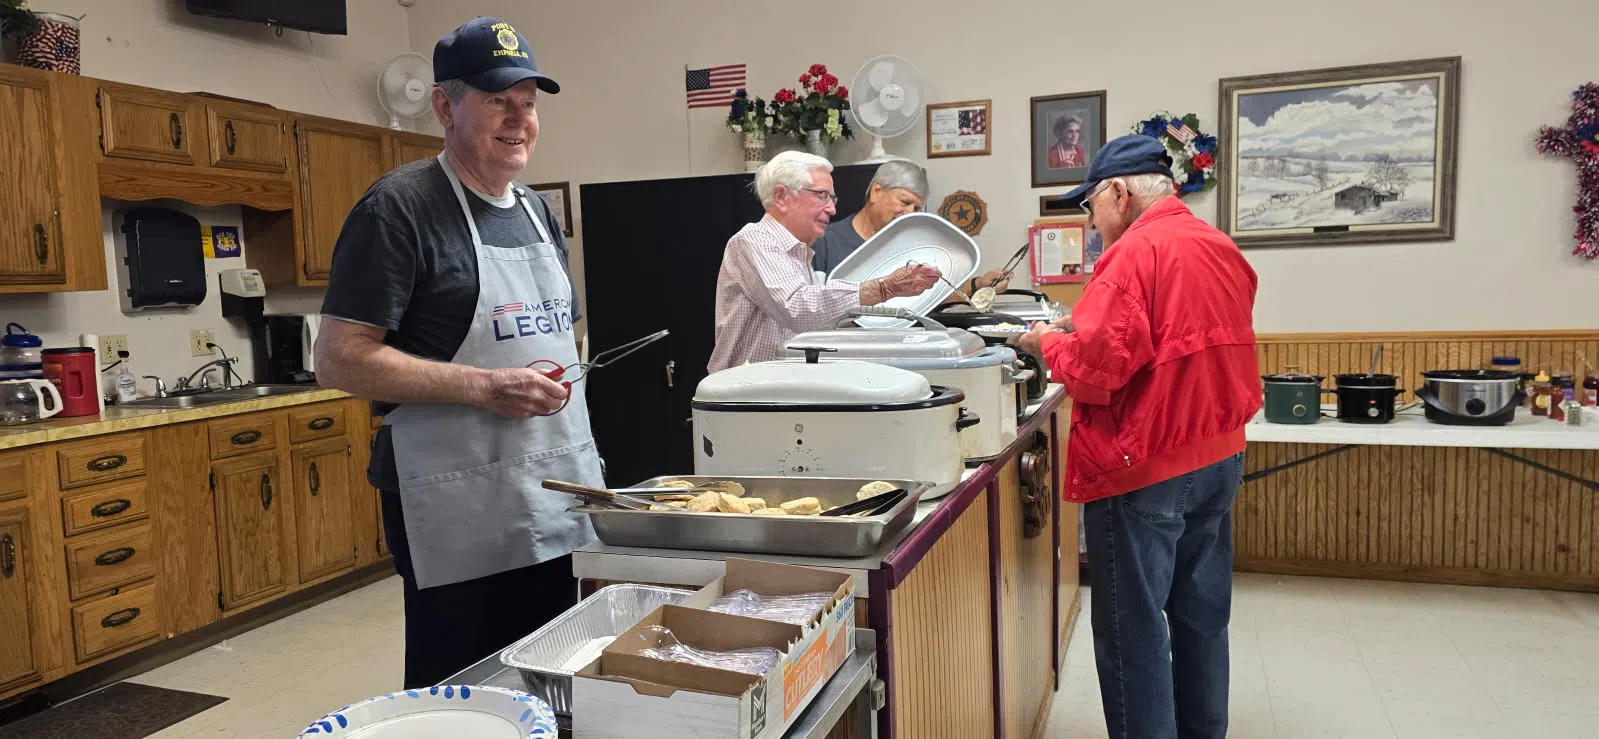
872,506
619,497
600,360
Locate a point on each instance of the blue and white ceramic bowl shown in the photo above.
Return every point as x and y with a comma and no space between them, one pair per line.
449,710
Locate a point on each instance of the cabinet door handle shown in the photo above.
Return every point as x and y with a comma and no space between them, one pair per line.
230,139
8,557
320,423
107,463
671,371
316,480
266,491
41,243
113,557
110,508
176,122
120,618
246,438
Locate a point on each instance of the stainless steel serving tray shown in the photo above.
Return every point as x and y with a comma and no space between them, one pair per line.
608,612
819,536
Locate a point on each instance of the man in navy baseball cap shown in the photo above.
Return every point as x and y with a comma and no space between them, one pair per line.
1133,154
488,54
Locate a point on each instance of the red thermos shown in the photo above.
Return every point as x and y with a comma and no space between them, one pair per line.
73,371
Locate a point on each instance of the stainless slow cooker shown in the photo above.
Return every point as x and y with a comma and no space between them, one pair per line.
1470,397
835,418
946,357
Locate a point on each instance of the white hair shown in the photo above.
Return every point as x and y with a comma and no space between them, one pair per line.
791,169
1148,186
898,175
455,90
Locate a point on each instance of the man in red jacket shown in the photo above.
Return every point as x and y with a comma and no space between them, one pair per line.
1159,359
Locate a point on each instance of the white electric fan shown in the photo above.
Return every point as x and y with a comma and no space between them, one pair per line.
404,87
885,99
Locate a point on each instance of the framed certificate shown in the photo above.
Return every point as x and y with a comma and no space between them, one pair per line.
959,129
1063,250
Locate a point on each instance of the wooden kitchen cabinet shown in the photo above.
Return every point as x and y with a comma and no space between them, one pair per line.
322,498
412,147
338,162
31,233
250,528
247,137
141,123
16,636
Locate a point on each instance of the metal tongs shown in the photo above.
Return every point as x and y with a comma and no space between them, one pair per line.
606,357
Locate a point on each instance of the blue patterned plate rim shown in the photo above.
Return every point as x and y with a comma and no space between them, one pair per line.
529,712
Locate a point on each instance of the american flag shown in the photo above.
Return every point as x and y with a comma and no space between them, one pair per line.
500,310
1183,134
713,87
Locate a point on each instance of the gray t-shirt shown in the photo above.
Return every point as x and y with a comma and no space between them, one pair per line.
404,262
837,242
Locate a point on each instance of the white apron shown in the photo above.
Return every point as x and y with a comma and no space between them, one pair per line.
470,479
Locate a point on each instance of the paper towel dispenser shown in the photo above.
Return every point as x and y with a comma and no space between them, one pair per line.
160,264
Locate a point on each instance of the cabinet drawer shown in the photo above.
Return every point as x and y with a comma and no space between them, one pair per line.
13,477
242,435
316,422
98,509
101,460
100,563
124,619
247,138
145,124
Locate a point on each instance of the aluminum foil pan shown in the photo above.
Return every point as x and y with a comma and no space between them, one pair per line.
541,657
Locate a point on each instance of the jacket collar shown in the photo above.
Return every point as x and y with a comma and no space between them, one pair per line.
1170,205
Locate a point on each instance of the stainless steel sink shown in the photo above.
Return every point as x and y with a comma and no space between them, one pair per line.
219,395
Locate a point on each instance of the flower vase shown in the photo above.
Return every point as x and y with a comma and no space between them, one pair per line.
54,46
754,151
813,142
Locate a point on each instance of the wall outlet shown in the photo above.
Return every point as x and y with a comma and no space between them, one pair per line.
198,338
110,344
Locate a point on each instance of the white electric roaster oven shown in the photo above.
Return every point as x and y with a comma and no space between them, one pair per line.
836,418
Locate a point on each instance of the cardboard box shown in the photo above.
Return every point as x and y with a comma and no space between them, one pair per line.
624,695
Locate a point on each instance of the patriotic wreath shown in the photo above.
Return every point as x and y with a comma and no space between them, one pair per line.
1193,152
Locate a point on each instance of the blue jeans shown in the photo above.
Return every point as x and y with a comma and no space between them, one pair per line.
1167,547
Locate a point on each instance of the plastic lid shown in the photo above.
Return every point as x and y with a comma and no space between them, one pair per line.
23,339
799,382
1506,360
877,344
1543,376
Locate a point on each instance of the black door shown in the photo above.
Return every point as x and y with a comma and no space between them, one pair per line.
653,250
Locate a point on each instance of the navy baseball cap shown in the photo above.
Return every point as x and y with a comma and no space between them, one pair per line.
1132,154
487,53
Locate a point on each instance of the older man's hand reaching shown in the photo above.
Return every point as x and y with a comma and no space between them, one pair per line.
907,281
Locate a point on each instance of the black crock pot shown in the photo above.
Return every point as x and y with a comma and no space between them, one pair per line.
1366,398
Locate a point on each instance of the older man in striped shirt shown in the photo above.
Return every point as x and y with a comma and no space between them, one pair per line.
766,292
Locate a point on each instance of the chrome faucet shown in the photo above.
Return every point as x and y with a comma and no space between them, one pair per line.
185,383
160,385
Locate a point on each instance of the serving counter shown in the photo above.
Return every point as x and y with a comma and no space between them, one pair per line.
972,592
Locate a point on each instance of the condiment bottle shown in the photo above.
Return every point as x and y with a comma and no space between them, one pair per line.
1565,386
1590,390
1541,394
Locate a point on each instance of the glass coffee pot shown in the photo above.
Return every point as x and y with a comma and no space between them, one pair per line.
24,401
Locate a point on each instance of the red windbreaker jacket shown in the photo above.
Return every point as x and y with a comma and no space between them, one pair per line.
1161,365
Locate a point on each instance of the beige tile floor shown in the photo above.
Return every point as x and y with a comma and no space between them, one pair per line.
1311,658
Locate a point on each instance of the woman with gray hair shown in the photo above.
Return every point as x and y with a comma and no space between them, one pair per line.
898,187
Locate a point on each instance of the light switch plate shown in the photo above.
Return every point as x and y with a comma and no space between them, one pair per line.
198,338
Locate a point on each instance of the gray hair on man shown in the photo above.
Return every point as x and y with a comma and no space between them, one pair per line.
1148,186
899,175
455,90
791,169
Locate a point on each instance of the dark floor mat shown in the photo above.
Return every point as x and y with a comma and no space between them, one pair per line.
122,711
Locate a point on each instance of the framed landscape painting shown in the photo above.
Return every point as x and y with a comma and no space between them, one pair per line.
1353,155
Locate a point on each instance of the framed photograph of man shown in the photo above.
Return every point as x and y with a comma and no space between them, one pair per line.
559,196
1068,131
959,129
1352,155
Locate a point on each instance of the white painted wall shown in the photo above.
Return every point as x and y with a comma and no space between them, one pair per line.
158,44
621,116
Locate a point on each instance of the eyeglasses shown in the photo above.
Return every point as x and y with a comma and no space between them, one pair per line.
827,197
1088,201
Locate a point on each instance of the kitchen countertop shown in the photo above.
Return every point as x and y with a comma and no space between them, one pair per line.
114,419
600,561
1411,428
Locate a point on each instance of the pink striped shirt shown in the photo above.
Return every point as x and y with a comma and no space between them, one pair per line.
766,293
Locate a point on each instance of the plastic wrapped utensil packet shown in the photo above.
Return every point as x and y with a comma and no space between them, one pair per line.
750,660
790,609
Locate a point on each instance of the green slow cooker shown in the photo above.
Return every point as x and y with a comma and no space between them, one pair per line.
1293,398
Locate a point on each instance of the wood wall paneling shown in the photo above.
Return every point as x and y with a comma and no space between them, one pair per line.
1026,570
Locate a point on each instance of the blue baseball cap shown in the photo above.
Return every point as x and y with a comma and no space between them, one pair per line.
488,54
1132,154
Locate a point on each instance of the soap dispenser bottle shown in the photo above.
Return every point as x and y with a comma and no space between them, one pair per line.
127,383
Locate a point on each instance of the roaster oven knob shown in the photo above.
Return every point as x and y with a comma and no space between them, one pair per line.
1475,406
